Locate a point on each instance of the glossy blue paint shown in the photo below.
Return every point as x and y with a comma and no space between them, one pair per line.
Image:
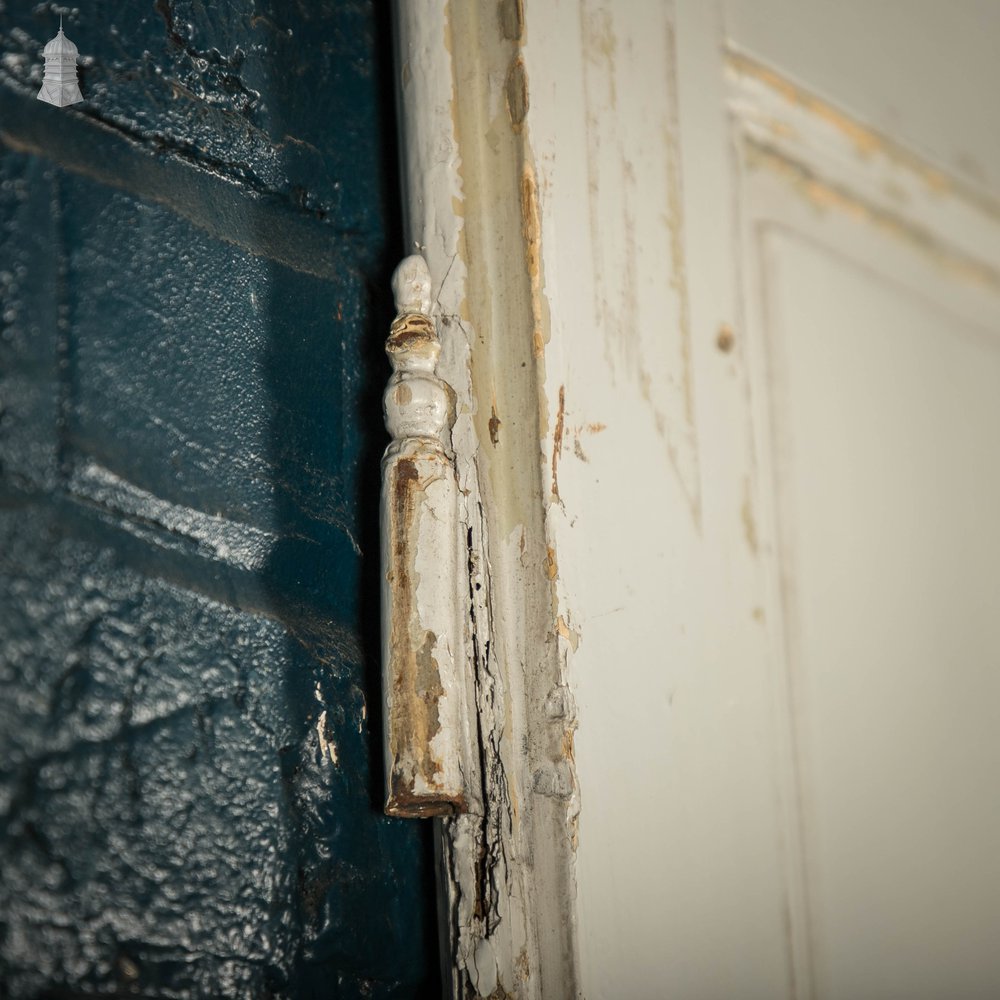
193,266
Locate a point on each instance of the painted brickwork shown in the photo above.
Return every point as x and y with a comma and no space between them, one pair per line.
190,369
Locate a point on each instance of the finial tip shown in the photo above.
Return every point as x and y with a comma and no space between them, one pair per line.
411,286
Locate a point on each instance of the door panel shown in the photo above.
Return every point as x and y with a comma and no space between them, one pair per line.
890,556
875,347
777,555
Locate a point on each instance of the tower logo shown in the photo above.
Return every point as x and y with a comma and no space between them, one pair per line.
59,85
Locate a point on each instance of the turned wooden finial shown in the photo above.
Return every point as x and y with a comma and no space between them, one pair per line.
411,286
418,404
423,630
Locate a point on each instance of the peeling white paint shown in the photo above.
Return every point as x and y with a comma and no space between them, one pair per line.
327,748
424,661
484,968
695,208
467,167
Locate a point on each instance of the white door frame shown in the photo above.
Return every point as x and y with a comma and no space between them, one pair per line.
471,203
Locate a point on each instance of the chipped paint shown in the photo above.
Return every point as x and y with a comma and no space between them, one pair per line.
531,232
867,142
512,19
571,635
557,441
826,196
420,781
615,188
516,94
683,448
604,135
327,748
423,647
473,199
495,423
551,565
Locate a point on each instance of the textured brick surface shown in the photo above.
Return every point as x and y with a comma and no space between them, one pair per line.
190,330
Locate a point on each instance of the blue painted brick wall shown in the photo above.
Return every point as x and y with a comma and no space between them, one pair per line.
192,266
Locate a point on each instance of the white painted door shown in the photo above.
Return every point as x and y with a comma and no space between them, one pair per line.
718,289
770,240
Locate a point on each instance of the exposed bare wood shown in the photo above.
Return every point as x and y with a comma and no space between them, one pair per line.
422,633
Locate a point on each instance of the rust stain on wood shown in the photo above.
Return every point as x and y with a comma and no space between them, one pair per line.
557,440
516,94
551,566
404,803
531,232
511,13
409,331
725,339
494,425
417,687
